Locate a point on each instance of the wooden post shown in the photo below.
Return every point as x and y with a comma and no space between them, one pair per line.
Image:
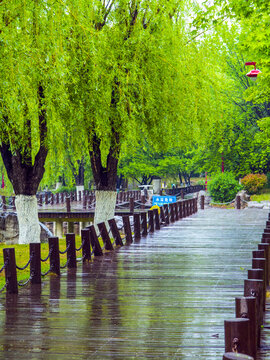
137,227
62,197
162,215
156,217
35,263
196,204
115,232
262,254
151,221
144,223
187,208
94,241
105,236
245,307
80,195
142,202
166,211
121,197
237,336
71,253
4,203
10,271
254,288
180,209
40,200
46,199
57,198
75,196
184,212
171,211
202,202
266,248
52,199
127,229
55,256
86,249
131,204
238,202
84,202
261,264
68,204
176,216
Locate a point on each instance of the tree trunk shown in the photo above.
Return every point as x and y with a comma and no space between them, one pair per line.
105,205
27,212
180,178
105,181
25,176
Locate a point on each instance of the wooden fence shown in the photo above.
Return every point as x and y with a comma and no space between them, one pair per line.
144,223
243,333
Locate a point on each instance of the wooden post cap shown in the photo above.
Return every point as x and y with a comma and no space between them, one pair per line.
236,356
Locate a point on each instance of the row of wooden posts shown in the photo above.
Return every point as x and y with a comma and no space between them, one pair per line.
88,197
243,333
85,196
143,224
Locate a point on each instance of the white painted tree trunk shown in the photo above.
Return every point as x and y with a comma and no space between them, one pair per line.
27,212
105,206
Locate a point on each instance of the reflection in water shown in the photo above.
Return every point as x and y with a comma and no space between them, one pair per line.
25,330
71,283
104,319
54,293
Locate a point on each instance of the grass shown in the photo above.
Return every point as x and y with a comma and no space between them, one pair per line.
22,257
263,196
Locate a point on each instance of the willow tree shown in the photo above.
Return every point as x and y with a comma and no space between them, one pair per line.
129,79
31,93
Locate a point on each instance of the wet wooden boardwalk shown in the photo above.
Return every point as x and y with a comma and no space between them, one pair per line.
163,298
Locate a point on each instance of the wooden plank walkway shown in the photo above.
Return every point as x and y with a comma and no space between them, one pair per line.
163,298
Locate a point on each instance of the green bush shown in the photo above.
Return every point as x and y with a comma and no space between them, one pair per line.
67,189
200,182
253,183
268,179
223,187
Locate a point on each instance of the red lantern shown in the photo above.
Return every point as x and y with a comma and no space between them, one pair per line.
254,72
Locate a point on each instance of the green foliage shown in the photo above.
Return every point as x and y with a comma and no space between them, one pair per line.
268,179
67,189
200,182
223,187
253,183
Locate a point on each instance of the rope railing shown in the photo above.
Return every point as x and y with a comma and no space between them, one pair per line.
142,224
64,251
47,257
25,266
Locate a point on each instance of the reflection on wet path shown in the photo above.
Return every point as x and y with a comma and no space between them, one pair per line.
165,297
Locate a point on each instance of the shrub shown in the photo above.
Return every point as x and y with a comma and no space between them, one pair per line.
253,183
223,187
268,179
67,189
